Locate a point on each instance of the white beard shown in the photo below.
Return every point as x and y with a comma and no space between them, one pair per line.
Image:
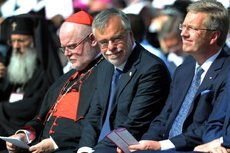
22,67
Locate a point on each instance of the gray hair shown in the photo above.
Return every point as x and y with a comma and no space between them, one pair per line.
218,18
102,18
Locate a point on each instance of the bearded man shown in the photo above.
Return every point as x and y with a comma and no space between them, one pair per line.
22,65
28,74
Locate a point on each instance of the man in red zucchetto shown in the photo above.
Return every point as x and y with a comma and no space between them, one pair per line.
57,127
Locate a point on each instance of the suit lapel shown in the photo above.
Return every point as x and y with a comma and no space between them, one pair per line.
128,72
210,76
212,73
183,82
105,81
125,78
186,80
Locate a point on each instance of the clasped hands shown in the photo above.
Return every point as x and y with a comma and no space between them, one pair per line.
143,145
45,146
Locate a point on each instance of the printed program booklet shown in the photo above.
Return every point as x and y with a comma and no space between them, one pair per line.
17,142
122,138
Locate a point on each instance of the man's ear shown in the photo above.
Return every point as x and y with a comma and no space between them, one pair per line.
215,36
93,40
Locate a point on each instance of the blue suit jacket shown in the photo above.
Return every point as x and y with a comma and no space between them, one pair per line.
226,127
202,105
218,123
219,117
141,94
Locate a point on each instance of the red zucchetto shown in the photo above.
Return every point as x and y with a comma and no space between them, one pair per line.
80,17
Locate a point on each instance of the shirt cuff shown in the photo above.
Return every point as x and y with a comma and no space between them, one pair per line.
27,133
221,140
166,144
85,149
54,143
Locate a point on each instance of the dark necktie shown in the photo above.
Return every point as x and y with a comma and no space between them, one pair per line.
181,116
106,126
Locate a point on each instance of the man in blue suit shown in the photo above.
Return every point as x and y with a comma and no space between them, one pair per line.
141,90
180,125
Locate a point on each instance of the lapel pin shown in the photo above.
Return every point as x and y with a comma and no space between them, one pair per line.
130,73
210,78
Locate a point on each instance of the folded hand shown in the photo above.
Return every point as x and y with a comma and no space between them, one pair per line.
44,146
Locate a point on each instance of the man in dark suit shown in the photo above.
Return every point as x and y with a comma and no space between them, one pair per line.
177,127
57,127
141,90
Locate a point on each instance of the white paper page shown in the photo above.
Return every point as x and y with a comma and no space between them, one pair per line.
16,142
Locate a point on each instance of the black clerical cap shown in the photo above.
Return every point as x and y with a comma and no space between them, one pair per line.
20,25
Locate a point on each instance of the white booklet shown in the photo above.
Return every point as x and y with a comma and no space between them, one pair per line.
122,138
16,141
